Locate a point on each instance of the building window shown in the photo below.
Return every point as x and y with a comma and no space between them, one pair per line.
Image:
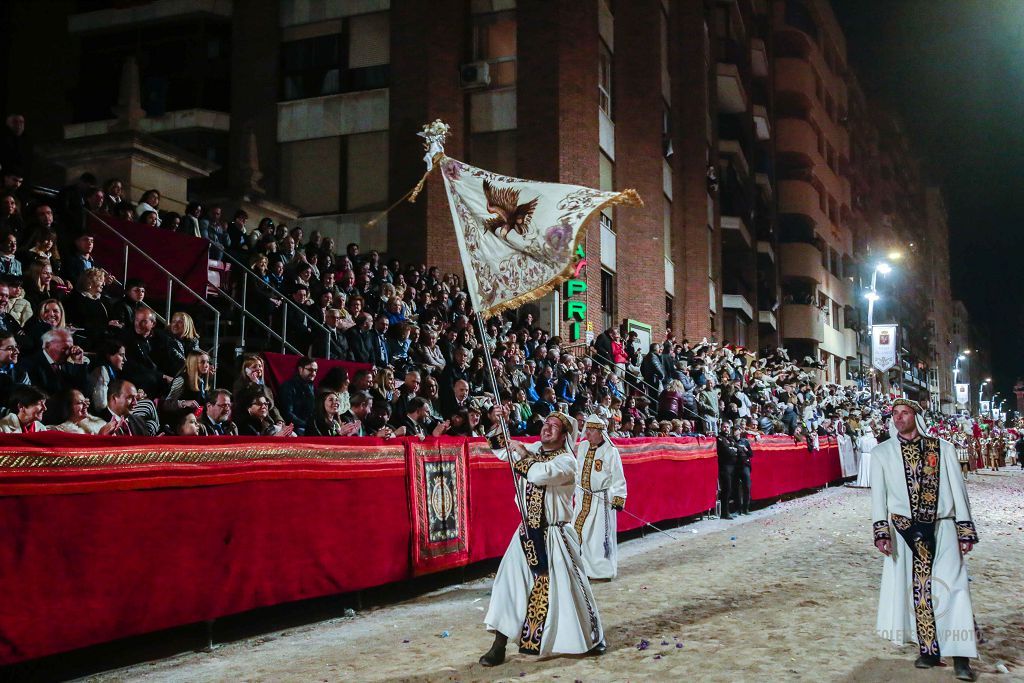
494,42
607,299
356,58
604,79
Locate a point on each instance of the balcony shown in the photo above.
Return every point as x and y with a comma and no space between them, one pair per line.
732,95
735,225
738,302
171,122
758,58
794,75
800,197
768,318
803,321
333,115
801,261
765,247
762,125
733,149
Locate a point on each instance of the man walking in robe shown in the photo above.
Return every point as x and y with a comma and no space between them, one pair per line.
541,596
917,489
601,493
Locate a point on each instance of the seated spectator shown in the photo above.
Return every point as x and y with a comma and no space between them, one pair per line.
113,192
109,366
150,218
8,325
40,284
327,417
122,397
295,396
20,309
216,419
180,339
185,423
59,366
256,420
142,348
124,310
9,263
381,355
27,405
474,421
546,405
335,344
399,343
360,339
336,380
251,378
75,406
11,374
361,413
88,310
192,385
383,390
428,354
409,390
419,422
149,203
82,259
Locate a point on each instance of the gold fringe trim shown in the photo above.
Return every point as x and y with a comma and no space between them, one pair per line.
628,197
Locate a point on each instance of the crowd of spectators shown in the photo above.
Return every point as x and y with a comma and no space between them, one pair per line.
75,336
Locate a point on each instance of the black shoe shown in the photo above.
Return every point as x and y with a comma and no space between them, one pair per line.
927,661
725,515
494,656
962,669
598,649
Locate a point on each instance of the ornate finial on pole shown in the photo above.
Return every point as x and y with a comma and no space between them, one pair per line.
434,135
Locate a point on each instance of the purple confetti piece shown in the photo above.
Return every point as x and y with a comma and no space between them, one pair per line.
405,640
643,644
664,642
679,645
657,656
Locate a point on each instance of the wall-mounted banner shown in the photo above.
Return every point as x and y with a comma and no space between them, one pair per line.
883,347
963,394
985,407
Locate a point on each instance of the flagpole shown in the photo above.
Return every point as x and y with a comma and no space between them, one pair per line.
520,503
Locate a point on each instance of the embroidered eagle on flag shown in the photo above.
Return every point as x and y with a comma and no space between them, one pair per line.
511,215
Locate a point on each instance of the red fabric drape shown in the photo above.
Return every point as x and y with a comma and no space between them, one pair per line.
281,367
109,537
187,257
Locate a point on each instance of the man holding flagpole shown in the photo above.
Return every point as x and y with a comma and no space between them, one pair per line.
541,596
516,241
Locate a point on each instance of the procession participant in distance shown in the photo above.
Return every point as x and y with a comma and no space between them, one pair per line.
917,486
541,596
601,492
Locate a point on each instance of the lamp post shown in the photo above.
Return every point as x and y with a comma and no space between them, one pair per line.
981,387
872,296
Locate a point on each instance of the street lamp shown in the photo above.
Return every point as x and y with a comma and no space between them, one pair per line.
981,387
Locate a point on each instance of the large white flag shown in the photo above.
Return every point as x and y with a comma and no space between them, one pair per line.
517,237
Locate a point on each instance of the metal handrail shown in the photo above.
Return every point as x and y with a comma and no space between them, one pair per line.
231,300
171,279
247,272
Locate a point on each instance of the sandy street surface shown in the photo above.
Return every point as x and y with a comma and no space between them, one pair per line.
788,593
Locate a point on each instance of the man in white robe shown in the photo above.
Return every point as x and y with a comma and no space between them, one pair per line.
601,493
541,596
917,489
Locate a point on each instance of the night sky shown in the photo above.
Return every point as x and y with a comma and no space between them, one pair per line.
954,71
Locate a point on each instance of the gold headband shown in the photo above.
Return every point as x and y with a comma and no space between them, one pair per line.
913,405
564,419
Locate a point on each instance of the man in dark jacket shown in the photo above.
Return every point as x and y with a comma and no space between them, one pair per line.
728,456
653,370
58,366
142,348
295,397
334,346
360,339
216,420
744,452
122,397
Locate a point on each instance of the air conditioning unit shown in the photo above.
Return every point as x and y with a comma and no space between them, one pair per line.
475,75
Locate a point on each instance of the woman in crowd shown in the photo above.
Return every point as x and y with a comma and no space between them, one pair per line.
49,315
76,406
27,405
458,424
430,390
113,195
88,310
399,344
10,214
670,401
383,390
251,379
43,246
40,283
428,354
191,386
150,218
254,417
150,203
184,423
108,367
182,338
326,415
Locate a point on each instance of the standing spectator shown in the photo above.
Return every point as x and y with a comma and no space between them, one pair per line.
653,369
296,394
728,455
745,453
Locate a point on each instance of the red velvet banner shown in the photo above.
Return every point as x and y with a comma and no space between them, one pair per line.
781,466
169,531
187,257
438,492
281,367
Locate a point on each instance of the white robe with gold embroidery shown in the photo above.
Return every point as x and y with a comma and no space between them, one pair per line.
951,595
601,473
572,624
